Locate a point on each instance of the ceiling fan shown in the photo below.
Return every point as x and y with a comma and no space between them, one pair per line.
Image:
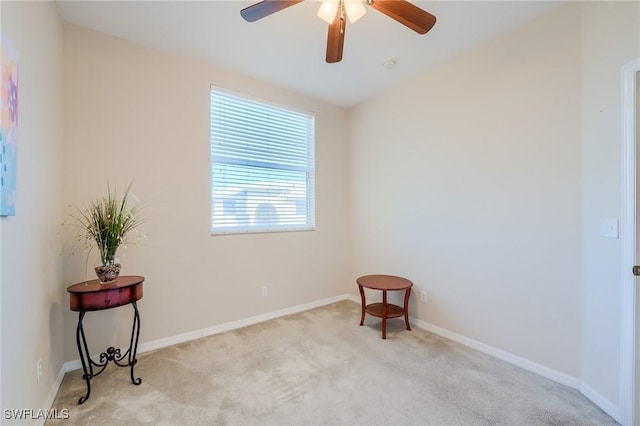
335,12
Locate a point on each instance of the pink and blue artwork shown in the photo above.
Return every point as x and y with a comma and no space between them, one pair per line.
9,128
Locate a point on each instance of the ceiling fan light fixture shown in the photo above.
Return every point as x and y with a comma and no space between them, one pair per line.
328,10
333,12
355,9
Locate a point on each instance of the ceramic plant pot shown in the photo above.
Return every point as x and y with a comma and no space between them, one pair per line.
108,273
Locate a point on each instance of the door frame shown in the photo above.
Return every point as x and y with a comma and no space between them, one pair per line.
628,230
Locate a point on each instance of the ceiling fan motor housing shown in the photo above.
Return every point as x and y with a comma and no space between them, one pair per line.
401,11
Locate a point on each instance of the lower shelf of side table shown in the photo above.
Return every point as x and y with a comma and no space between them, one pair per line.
393,311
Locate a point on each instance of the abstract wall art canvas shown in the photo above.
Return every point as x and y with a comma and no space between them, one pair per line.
9,127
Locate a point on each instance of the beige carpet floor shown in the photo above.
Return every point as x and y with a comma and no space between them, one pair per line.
320,368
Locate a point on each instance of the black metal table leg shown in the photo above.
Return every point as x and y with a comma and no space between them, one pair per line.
111,354
134,343
133,346
87,368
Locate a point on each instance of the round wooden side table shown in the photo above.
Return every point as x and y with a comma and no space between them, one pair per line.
385,310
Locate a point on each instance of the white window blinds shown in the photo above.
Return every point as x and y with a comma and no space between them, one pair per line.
262,166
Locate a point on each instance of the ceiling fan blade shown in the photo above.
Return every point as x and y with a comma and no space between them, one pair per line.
335,39
406,13
265,8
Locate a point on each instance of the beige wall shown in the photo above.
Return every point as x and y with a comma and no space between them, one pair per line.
467,180
137,113
483,180
499,166
610,39
31,271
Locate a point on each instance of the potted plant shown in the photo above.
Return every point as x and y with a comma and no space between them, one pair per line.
107,221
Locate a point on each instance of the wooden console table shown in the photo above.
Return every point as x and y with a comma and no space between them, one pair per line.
385,310
93,296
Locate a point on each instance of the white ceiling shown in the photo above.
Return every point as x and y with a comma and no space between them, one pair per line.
288,48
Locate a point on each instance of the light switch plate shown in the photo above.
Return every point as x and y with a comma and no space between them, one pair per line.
609,228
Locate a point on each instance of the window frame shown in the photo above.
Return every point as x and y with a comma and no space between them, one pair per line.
310,169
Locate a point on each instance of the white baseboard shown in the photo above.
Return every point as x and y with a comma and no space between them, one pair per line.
52,395
216,329
601,402
564,379
523,363
353,298
221,328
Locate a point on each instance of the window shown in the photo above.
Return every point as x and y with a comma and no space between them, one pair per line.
262,166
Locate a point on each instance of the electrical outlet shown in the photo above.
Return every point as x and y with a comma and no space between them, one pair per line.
423,296
39,369
264,291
